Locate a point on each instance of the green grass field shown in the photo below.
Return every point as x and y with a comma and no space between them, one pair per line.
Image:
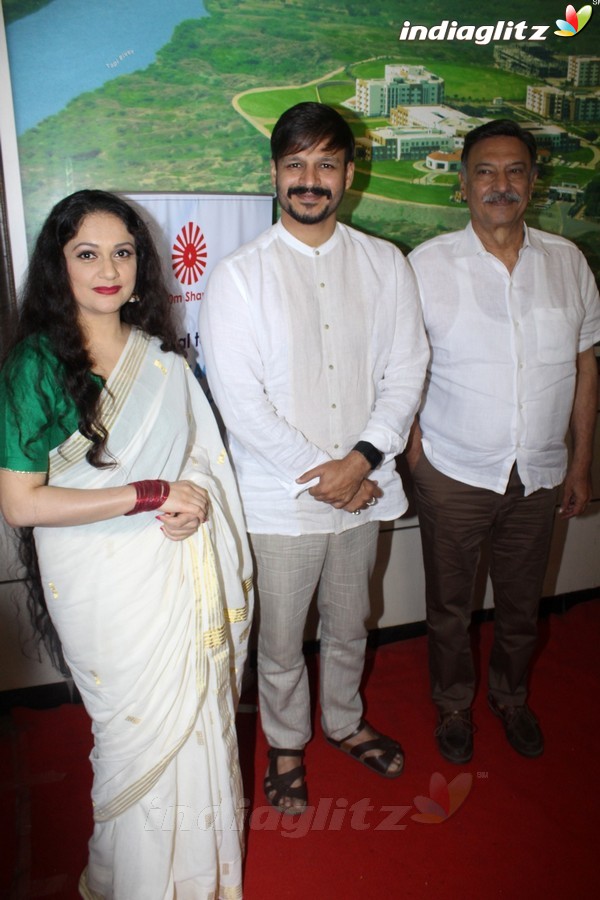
270,104
335,92
402,190
584,155
400,169
570,175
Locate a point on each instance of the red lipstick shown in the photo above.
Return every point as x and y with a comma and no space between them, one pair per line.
112,289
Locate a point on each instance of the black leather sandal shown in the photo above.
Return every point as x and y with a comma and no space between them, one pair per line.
278,786
380,762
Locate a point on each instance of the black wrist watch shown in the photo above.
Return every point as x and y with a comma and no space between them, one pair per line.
373,456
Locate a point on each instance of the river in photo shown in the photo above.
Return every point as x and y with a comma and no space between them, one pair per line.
72,46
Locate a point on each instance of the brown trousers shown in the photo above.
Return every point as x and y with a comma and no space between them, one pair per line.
455,519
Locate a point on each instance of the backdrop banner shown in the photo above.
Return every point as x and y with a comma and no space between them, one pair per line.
192,233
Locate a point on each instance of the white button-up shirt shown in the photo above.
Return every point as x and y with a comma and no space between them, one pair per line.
309,350
504,345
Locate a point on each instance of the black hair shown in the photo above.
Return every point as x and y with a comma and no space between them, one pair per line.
48,308
499,128
307,124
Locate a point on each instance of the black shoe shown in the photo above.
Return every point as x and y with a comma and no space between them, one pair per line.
454,736
521,727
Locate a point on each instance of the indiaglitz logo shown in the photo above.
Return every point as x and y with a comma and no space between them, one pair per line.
480,34
504,30
574,21
444,798
189,254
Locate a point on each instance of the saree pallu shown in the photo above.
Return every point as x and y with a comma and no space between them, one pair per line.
154,632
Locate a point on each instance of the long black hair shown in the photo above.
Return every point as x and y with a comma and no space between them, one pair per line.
48,308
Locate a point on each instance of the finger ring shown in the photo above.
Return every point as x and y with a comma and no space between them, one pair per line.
356,512
372,501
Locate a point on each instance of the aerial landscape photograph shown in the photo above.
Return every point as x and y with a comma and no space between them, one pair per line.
188,107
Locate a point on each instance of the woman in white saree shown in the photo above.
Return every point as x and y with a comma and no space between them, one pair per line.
152,616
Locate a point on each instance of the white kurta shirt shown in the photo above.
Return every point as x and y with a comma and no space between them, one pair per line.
309,350
504,345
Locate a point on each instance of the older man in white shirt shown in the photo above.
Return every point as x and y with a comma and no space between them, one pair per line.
512,314
316,355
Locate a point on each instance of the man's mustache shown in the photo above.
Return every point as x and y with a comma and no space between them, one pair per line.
500,196
315,191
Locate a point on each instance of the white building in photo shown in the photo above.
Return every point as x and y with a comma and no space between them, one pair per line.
401,85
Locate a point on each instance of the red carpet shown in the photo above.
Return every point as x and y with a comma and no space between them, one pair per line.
517,828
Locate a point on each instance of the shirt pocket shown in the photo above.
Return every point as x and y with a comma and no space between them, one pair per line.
557,334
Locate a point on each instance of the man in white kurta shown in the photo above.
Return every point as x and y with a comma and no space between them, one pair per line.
315,354
512,314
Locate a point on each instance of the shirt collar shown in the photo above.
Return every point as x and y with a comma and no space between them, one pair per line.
533,239
303,248
471,245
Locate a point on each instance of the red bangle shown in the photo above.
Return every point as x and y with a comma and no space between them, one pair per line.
150,494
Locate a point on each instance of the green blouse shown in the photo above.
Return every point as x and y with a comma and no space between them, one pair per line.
36,414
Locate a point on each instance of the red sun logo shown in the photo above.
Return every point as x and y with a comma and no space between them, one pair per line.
189,254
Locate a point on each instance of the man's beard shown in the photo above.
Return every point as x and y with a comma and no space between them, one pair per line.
307,218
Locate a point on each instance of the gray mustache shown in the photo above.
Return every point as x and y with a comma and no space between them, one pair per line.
498,196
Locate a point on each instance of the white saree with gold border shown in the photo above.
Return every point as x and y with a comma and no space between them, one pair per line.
155,634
